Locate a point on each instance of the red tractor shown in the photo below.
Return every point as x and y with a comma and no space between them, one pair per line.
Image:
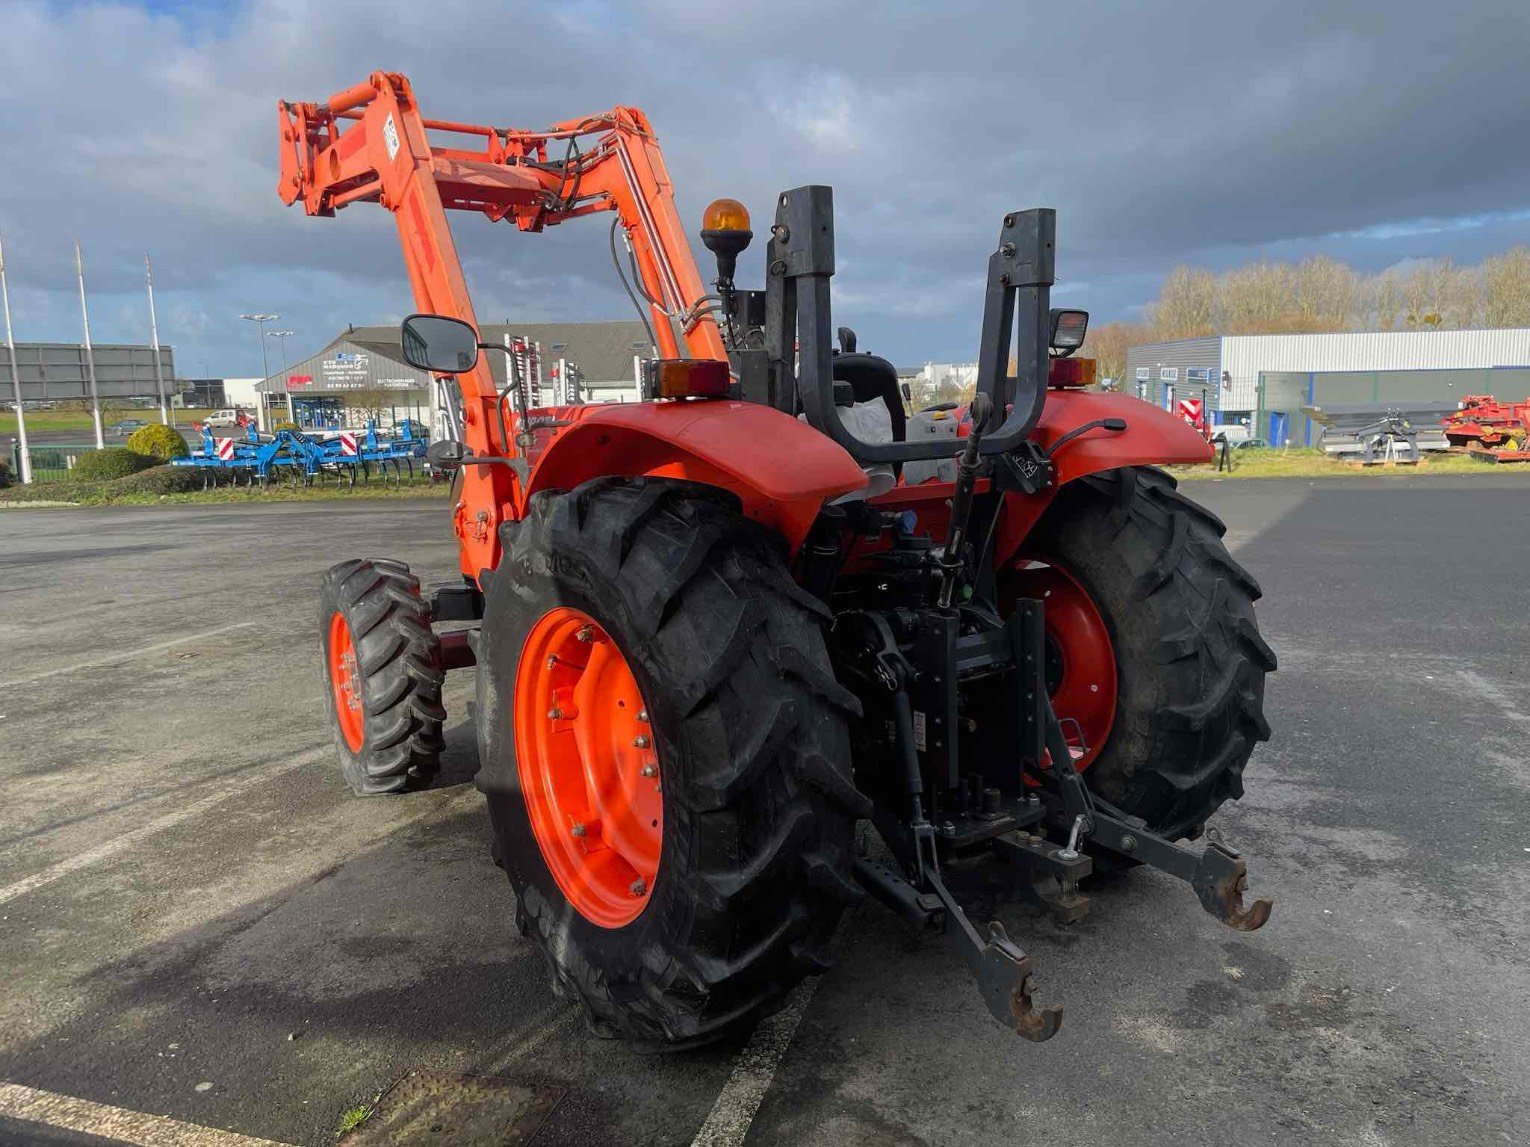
716,629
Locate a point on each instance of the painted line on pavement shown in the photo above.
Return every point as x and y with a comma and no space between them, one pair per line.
110,848
728,1123
71,1114
114,658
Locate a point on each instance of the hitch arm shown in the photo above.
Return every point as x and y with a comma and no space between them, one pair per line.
1218,874
1000,966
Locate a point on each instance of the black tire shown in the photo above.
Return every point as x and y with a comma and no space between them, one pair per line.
398,660
1190,661
750,727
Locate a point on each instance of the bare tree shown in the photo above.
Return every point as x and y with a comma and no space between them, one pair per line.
1323,294
1506,289
1255,298
1326,296
1383,301
1108,343
1186,306
368,404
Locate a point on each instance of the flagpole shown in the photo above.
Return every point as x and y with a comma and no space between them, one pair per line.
159,370
90,355
10,345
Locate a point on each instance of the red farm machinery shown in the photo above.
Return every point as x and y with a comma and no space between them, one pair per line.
1491,430
716,630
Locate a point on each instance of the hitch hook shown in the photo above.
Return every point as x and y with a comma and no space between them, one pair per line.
1220,880
1035,1024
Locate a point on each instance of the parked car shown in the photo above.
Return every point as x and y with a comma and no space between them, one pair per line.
127,426
222,418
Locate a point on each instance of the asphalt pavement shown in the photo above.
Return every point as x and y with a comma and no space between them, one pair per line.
199,924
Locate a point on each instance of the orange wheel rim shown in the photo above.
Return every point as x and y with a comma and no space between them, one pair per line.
1081,658
345,682
589,769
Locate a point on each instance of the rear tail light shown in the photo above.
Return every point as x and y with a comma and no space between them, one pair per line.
1070,372
685,378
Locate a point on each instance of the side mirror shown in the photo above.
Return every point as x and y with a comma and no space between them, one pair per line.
439,344
445,454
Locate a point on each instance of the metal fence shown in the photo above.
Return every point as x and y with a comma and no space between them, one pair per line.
50,463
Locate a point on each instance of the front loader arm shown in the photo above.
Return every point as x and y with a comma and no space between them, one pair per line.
369,143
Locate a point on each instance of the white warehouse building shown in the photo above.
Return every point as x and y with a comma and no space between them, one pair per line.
1265,381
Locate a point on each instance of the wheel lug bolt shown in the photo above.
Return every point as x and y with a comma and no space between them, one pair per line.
650,770
555,714
640,742
578,830
586,634
639,888
643,716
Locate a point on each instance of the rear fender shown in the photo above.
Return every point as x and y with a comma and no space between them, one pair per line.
1153,437
782,469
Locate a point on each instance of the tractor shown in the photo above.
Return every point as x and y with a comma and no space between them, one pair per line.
766,642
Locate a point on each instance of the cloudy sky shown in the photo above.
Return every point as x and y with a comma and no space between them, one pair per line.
1164,132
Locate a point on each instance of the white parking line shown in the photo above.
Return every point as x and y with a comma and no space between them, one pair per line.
71,1114
113,658
731,1116
224,790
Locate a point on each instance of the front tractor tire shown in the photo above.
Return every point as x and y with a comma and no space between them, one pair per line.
382,676
665,757
1154,655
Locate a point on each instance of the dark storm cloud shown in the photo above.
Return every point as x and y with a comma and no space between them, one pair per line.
1163,133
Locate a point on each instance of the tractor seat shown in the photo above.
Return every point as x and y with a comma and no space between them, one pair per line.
872,377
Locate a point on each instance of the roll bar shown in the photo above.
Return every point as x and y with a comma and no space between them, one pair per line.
799,262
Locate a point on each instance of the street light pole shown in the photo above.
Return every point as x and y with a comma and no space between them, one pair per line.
90,354
260,320
283,336
159,370
10,345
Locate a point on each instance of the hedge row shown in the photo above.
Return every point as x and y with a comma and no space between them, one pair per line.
159,441
113,462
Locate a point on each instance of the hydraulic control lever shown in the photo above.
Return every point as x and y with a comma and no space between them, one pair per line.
961,501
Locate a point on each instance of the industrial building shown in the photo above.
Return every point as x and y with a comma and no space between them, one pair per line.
1265,381
361,374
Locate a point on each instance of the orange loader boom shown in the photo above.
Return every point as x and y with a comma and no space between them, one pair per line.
369,143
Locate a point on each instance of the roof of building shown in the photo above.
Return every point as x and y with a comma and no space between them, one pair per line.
603,351
1243,356
1374,338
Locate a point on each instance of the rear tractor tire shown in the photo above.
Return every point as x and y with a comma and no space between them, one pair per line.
382,676
665,757
1154,655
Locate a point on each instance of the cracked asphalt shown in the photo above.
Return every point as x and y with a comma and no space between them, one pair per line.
189,895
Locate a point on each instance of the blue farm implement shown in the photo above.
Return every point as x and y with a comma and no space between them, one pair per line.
300,457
